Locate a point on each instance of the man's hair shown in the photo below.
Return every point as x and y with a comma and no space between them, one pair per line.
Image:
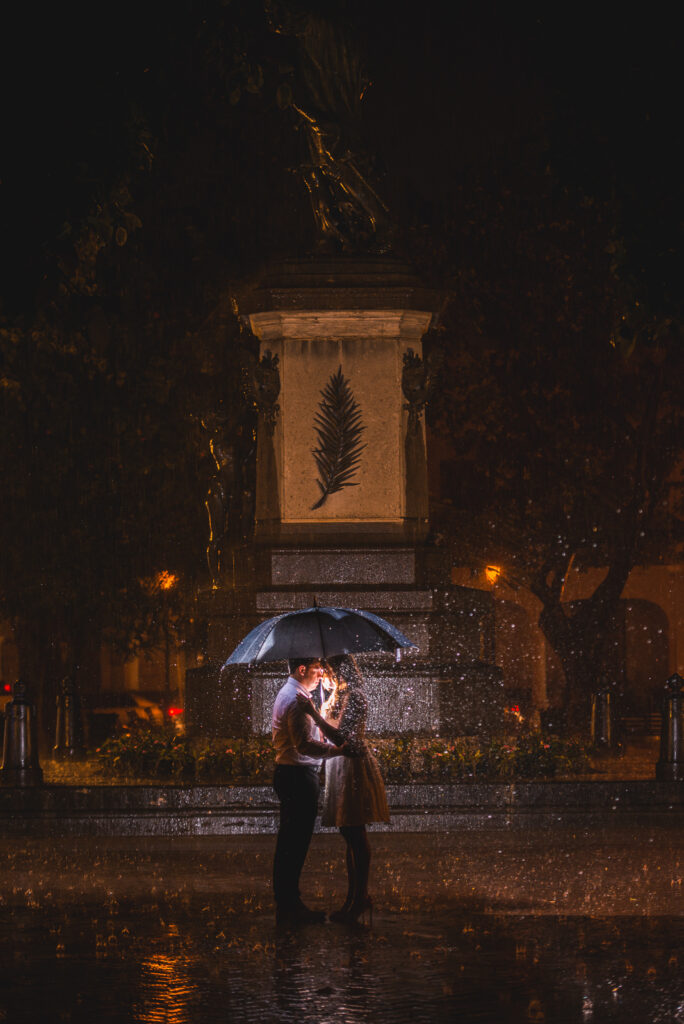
294,663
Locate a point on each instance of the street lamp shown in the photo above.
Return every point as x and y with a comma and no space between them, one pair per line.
166,581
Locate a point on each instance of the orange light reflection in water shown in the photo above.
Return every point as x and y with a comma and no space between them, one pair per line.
168,991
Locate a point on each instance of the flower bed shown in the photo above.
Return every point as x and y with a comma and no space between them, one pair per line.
158,755
528,756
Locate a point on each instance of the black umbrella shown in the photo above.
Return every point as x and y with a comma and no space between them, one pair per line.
317,633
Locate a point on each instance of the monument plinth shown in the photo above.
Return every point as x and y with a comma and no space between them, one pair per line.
347,324
341,488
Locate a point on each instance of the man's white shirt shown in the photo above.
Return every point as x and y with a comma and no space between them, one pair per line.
292,728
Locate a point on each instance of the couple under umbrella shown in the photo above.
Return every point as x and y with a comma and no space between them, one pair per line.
319,645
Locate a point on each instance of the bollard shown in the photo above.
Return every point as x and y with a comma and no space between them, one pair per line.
670,766
69,729
20,765
601,719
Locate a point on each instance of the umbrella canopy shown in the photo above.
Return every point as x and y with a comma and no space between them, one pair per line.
317,633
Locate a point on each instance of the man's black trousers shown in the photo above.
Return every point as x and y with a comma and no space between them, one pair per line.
297,788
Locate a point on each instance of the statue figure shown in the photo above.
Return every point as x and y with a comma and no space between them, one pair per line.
418,381
220,495
415,384
230,498
348,211
265,388
262,383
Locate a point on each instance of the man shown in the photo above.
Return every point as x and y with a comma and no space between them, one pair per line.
299,751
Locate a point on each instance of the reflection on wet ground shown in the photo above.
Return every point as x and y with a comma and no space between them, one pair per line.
464,928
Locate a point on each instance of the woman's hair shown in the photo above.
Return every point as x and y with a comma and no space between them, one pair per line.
344,666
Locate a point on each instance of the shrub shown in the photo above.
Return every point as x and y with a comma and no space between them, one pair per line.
158,754
394,757
147,753
216,764
530,755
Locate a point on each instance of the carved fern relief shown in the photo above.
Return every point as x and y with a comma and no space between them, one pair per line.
339,427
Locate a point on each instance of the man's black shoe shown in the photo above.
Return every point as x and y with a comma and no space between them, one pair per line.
299,914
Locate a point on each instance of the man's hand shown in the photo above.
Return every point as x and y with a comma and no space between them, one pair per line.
348,749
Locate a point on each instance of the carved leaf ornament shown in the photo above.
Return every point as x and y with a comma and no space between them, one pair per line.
339,428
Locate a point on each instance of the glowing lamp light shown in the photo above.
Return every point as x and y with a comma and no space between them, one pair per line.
7,688
514,712
492,573
174,712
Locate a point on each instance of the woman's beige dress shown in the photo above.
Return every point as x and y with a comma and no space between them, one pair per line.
354,790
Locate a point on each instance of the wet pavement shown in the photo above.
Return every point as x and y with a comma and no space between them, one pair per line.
556,926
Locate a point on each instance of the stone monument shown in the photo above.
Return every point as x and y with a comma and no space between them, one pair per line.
341,343
340,385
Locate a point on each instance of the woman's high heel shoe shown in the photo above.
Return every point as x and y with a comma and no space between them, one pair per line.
359,909
341,915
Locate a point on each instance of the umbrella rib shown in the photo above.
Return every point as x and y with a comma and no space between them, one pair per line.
267,636
320,630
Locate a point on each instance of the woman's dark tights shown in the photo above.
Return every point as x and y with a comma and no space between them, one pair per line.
358,862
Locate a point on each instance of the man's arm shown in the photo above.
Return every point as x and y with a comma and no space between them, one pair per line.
301,730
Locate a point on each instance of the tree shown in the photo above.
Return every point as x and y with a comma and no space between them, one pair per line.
100,476
562,399
109,359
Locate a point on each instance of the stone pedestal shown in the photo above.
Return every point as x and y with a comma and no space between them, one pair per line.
360,318
363,546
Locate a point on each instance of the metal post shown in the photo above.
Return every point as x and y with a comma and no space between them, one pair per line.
670,767
20,765
601,719
69,729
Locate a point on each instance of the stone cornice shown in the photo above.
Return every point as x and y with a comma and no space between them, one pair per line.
316,324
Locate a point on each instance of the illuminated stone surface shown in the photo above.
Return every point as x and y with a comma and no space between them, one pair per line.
362,316
369,347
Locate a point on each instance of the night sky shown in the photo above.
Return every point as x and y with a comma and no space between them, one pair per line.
473,91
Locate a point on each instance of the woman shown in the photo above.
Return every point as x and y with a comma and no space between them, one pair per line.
354,790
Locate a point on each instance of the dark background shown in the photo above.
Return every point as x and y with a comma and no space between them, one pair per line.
470,92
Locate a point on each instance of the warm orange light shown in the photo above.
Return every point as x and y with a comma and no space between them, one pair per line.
166,580
331,685
492,573
514,712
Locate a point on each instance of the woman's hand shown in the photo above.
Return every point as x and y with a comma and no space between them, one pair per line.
306,705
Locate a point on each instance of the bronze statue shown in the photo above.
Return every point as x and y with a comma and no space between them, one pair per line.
416,384
418,381
265,388
349,213
230,498
219,498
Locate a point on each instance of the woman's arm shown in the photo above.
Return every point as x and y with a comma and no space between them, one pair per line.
327,728
301,732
